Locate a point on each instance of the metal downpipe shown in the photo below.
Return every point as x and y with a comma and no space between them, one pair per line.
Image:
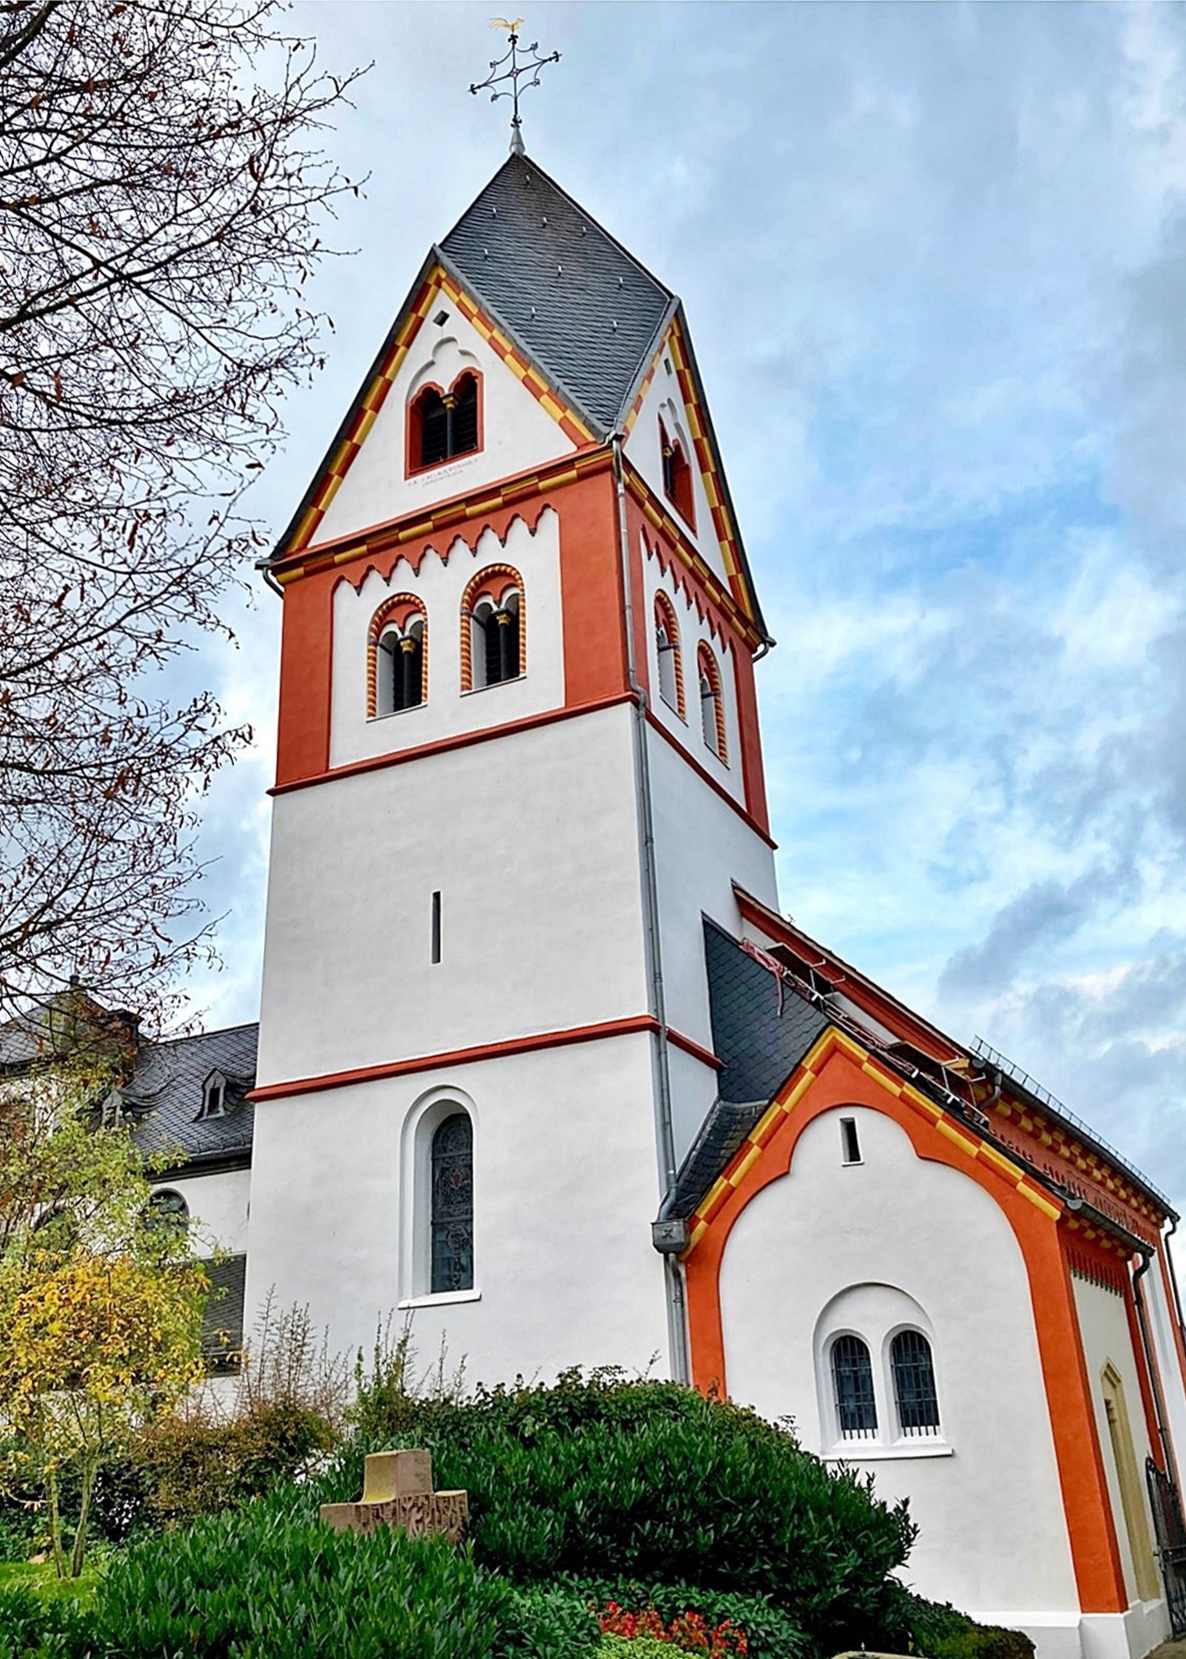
673,1274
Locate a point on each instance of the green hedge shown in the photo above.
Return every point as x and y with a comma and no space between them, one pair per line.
646,1480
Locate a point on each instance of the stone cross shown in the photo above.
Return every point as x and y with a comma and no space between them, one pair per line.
397,1492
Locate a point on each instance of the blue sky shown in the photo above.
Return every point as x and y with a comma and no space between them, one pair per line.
934,261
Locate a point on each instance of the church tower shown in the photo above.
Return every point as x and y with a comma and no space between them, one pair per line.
519,764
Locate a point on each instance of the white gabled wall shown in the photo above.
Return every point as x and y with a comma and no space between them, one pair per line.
993,1532
663,398
440,585
518,433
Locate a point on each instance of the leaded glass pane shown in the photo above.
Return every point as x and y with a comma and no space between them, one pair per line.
852,1374
914,1383
453,1205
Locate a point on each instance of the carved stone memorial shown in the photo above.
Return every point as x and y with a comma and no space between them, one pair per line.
397,1492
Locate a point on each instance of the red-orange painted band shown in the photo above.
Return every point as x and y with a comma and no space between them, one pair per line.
627,1027
460,740
695,1049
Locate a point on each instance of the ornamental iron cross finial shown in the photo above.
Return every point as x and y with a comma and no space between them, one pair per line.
530,64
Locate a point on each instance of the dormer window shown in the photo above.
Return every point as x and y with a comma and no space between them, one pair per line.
214,1092
677,476
443,424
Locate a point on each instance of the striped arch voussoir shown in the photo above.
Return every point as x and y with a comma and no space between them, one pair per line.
493,582
399,611
665,610
706,664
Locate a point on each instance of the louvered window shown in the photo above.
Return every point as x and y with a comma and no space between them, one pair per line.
452,1181
405,665
434,429
498,640
444,424
852,1380
914,1383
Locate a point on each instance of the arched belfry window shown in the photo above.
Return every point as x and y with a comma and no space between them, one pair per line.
452,1204
712,707
914,1383
492,629
671,670
852,1382
397,661
677,475
444,424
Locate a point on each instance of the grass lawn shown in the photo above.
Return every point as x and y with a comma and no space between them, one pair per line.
42,1579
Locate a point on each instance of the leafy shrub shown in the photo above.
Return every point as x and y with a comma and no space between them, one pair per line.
199,1463
648,1480
689,1632
635,1647
547,1622
41,1627
266,1582
771,1633
939,1631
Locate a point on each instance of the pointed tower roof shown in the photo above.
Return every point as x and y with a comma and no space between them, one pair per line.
585,310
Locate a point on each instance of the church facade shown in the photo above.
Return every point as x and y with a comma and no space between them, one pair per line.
541,1064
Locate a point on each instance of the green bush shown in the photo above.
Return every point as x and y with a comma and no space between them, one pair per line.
650,1481
941,1632
34,1626
547,1622
635,1647
200,1464
266,1582
771,1633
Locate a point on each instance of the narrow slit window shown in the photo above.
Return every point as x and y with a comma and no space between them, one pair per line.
852,1379
436,927
914,1383
850,1141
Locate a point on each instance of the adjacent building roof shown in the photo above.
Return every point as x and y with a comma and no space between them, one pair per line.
165,1092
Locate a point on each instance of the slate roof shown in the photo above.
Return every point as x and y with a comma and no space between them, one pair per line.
585,309
760,1030
165,1094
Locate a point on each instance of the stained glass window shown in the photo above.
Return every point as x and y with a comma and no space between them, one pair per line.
453,1205
852,1375
914,1383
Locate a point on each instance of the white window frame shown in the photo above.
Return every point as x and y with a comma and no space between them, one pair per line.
415,1243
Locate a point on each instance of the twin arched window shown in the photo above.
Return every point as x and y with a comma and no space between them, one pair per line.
712,707
443,424
397,663
492,642
912,1369
671,668
492,628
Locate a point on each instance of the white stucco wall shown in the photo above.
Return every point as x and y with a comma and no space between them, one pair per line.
689,731
532,842
993,1533
1107,1340
1173,1388
518,432
565,1188
219,1205
664,399
440,586
701,846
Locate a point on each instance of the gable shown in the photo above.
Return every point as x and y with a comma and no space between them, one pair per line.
369,475
670,404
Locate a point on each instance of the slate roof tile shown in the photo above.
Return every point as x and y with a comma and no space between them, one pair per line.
165,1092
584,308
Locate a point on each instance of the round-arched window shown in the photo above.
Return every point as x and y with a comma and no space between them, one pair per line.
452,1189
